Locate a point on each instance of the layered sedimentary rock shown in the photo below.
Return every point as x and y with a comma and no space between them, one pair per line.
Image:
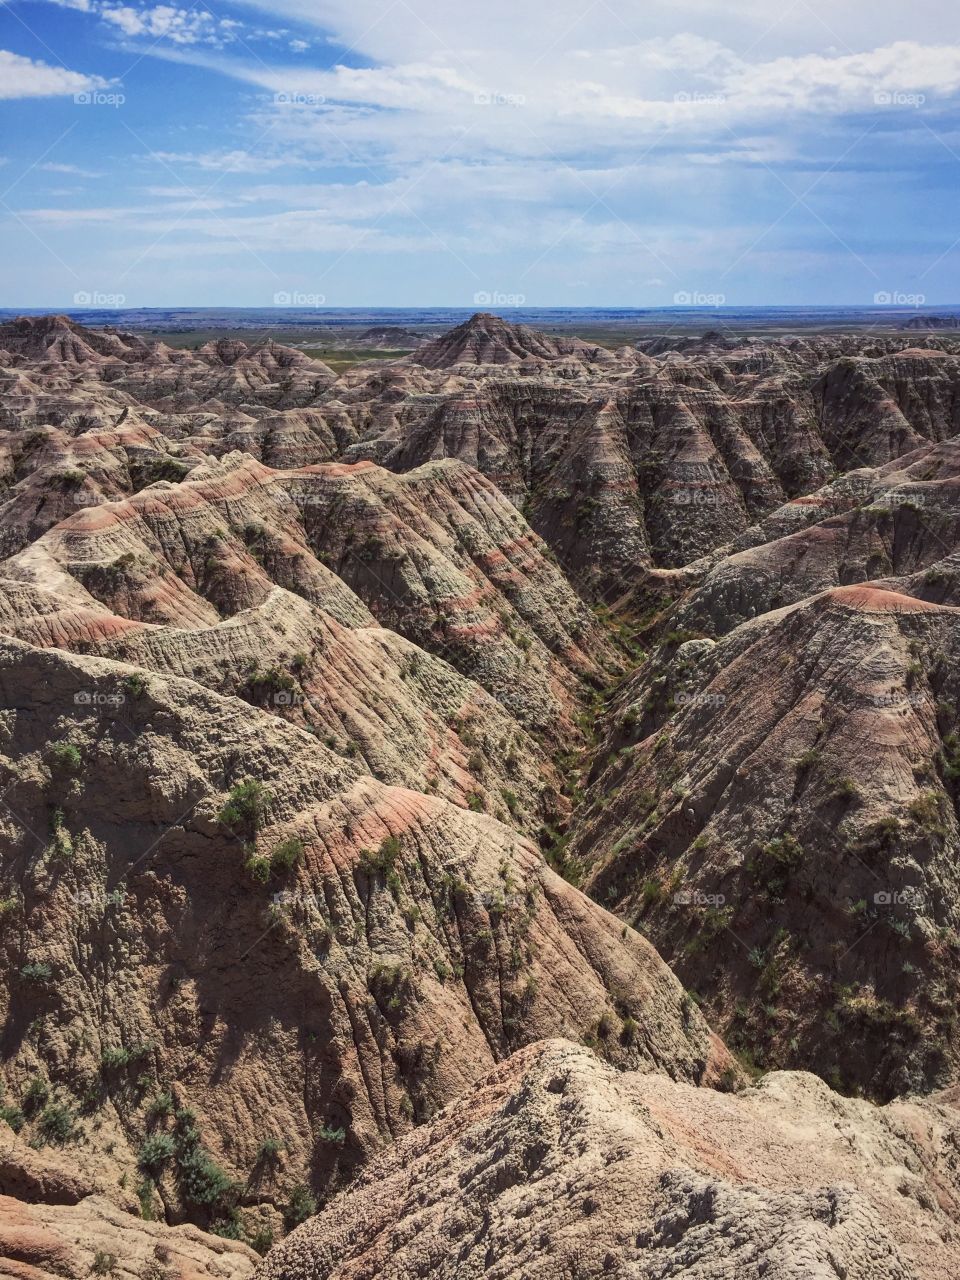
221,936
556,1165
778,811
301,698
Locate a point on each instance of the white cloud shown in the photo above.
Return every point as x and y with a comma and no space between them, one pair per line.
181,26
72,170
238,161
27,78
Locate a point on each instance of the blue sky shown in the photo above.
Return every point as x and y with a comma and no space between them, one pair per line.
424,152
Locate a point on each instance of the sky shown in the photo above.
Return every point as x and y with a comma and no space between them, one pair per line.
568,153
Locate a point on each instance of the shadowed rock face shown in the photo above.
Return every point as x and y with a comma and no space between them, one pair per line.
293,680
556,1165
777,811
406,945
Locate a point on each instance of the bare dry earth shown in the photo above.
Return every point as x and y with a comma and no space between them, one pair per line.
299,670
557,1165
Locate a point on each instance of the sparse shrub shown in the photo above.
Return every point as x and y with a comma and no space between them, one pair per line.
37,972
475,802
55,1124
329,1133
248,804
13,1116
257,868
384,860
135,685
628,1030
61,844
201,1180
651,892
65,757
145,1196
884,832
114,1058
269,1149
155,1152
36,1095
262,1240
285,855
301,1206
160,1107
605,1024
104,1264
776,862
926,813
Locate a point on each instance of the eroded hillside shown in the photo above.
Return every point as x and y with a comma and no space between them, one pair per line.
359,732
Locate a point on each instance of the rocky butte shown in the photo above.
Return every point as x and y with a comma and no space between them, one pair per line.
489,812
